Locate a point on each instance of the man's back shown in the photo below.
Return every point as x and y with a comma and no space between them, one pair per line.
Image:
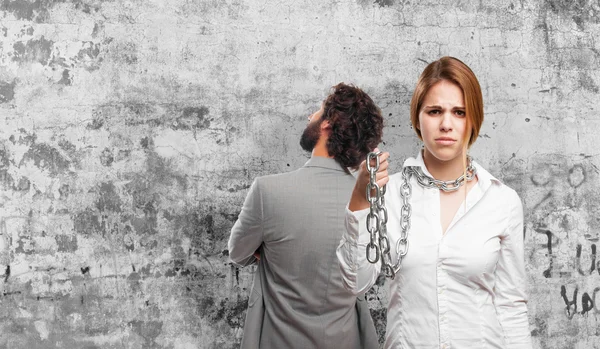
306,305
294,222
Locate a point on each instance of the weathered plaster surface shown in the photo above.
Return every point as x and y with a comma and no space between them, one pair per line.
131,131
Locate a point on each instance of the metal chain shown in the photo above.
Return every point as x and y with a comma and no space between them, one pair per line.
378,215
428,182
373,221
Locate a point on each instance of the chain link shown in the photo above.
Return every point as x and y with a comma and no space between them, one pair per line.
428,182
378,215
373,221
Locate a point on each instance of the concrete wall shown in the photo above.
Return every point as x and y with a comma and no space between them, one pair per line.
131,131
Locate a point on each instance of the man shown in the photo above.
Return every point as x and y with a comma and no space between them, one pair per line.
293,223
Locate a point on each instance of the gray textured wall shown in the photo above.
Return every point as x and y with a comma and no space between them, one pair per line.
131,131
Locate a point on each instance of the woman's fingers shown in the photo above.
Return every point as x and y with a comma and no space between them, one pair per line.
382,178
383,163
384,156
383,182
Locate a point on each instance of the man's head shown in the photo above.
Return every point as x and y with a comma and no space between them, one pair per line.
312,132
350,122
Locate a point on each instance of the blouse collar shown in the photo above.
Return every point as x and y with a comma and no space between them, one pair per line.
485,179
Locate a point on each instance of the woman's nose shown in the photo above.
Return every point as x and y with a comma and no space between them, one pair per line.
446,124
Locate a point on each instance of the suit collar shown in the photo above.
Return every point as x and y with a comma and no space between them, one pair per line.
320,161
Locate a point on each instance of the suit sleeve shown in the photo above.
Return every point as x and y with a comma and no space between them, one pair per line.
510,288
247,232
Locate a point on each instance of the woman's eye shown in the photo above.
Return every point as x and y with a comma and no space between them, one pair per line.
433,112
460,113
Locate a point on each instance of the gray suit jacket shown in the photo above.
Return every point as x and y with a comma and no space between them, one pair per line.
298,300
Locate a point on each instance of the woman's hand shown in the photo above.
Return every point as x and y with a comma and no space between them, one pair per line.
358,201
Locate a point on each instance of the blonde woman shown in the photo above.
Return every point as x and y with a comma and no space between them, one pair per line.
455,231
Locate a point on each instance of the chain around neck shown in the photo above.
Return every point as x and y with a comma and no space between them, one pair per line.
448,186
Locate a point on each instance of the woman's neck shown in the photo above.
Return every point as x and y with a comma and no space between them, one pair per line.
444,170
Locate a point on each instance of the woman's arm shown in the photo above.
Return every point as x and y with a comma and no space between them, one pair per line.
511,281
358,274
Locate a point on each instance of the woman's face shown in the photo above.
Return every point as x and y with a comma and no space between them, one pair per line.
442,121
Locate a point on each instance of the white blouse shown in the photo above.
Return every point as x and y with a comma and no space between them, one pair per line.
463,289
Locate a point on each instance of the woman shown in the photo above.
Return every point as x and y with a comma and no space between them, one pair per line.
462,282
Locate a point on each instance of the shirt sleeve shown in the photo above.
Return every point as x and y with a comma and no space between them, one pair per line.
510,288
358,274
247,232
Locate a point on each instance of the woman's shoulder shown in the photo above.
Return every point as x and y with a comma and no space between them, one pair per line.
507,194
395,179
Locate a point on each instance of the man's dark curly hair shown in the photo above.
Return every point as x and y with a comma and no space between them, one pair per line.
356,125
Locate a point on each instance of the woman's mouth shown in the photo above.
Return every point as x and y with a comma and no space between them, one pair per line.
445,141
